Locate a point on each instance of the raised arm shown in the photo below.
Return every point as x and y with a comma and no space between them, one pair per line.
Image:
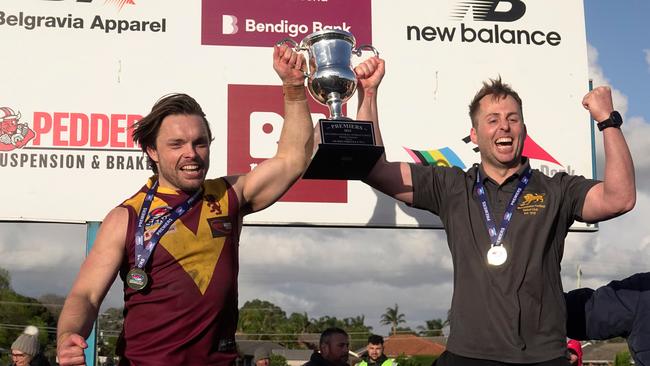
95,277
616,195
272,178
391,178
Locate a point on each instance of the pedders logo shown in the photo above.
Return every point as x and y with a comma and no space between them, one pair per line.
254,124
73,129
13,134
262,23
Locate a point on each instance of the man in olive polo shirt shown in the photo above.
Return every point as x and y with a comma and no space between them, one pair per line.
506,223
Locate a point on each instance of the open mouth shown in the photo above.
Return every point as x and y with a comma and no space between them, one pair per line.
191,168
504,142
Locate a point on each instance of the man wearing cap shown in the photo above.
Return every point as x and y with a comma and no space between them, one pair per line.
376,356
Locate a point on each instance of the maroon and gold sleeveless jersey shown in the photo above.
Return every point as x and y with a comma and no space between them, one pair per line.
187,314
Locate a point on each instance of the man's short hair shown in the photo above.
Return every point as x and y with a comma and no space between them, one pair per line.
375,339
329,332
145,131
498,90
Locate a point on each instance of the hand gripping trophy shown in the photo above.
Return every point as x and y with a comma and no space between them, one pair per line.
345,148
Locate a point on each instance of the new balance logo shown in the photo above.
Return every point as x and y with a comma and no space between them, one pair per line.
490,10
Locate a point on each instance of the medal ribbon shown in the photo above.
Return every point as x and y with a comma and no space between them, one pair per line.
142,252
496,238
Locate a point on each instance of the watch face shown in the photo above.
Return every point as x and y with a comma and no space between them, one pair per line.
616,118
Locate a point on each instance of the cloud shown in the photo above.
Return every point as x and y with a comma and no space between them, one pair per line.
635,128
620,248
348,272
41,258
597,75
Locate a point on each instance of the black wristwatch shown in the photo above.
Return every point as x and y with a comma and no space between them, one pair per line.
614,120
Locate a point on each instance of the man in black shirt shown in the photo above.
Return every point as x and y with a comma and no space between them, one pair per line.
506,223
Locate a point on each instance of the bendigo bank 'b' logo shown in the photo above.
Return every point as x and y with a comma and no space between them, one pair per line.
254,124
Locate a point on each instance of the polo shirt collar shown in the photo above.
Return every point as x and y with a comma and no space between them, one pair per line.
515,176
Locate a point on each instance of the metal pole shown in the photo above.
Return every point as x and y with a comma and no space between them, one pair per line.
91,351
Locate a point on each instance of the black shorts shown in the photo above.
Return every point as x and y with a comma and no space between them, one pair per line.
449,359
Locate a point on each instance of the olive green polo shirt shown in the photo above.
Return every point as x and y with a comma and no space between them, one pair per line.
514,312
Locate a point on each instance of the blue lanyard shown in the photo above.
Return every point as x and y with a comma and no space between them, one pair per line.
142,252
496,238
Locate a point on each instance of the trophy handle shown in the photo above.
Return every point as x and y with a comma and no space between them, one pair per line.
298,48
290,41
368,47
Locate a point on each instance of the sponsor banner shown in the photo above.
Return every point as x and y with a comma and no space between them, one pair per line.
83,71
262,22
253,134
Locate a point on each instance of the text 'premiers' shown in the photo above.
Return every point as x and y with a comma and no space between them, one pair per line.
107,25
62,159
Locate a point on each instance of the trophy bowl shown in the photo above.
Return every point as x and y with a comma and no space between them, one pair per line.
331,79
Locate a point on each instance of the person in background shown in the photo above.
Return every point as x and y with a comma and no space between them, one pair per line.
618,309
376,356
262,357
574,352
334,348
26,349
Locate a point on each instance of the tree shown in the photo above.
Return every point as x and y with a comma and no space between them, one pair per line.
18,311
392,317
53,303
263,320
259,317
5,280
622,359
278,360
433,328
109,326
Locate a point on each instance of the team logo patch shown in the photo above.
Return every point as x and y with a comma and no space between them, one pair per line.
532,203
220,226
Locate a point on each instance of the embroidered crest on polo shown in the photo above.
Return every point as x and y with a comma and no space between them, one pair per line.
497,255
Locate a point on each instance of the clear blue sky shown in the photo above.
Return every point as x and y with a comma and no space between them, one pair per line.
620,31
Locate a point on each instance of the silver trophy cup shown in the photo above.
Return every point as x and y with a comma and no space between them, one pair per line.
345,148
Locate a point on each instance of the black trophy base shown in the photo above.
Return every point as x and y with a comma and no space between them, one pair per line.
343,162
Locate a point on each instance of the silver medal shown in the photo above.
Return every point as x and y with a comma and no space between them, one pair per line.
497,255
